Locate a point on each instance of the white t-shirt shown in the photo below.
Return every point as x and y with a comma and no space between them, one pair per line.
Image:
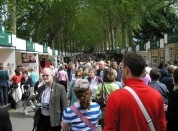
93,85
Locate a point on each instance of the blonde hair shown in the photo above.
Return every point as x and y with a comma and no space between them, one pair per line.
86,72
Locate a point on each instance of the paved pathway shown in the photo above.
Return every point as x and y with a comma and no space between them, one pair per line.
22,122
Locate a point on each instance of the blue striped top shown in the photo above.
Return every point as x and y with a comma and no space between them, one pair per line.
93,115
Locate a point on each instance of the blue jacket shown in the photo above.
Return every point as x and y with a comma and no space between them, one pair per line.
162,90
71,95
119,75
167,79
3,77
164,73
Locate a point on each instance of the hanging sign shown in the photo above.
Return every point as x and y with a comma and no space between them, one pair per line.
154,43
53,52
30,45
5,38
173,36
45,49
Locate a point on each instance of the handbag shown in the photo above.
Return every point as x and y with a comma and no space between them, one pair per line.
102,97
83,118
144,111
14,86
26,94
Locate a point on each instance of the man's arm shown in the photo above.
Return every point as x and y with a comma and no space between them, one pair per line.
63,99
112,116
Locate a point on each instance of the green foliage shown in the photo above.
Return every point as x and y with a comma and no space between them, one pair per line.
156,24
75,25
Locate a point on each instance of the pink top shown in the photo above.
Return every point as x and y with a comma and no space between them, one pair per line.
62,76
146,79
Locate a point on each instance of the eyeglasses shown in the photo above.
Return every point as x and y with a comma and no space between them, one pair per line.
45,75
78,75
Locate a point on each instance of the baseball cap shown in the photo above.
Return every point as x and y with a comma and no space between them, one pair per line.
81,85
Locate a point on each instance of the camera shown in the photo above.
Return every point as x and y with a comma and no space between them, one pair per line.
43,106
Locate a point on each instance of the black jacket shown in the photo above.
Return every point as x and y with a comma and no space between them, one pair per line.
98,72
5,123
173,112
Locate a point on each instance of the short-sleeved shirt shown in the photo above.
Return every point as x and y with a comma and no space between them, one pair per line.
16,79
76,124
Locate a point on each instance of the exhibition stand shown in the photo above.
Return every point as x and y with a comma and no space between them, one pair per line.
26,54
7,52
171,47
156,51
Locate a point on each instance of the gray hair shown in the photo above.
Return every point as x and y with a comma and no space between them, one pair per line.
49,70
61,67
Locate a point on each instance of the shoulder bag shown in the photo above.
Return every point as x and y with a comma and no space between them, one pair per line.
102,97
144,111
83,118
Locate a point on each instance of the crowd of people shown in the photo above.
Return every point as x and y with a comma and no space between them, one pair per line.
66,95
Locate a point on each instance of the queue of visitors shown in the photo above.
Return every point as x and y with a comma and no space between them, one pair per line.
66,96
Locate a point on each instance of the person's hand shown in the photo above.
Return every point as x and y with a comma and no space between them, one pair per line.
36,92
61,124
165,107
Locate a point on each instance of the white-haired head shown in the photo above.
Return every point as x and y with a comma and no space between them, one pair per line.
48,70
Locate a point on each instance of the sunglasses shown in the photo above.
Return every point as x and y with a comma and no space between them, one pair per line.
45,75
78,75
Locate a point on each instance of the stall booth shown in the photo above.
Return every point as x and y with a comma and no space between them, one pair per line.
141,49
7,58
44,56
133,48
7,52
60,59
171,47
26,54
156,51
110,54
54,57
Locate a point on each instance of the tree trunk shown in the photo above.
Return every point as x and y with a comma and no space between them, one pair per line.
130,36
13,16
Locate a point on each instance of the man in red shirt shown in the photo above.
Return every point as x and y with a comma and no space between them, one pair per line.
122,111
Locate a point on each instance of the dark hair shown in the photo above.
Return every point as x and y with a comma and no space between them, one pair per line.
169,62
1,67
25,72
84,97
135,62
94,70
155,74
112,63
109,76
17,72
166,64
175,76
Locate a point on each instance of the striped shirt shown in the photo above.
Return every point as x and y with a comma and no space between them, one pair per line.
93,115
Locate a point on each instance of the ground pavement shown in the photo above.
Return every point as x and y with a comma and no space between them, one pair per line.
22,122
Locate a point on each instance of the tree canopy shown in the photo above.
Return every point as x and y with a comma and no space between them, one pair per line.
78,25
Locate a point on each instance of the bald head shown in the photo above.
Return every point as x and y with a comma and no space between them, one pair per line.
101,65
